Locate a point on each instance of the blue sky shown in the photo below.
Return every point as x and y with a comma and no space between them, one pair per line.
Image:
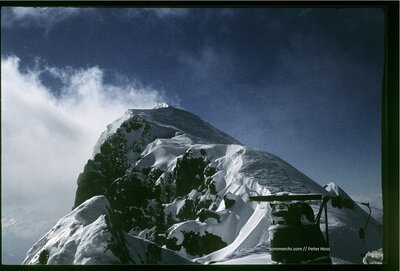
303,84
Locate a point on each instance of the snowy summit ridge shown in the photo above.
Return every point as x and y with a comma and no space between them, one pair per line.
166,187
166,121
161,105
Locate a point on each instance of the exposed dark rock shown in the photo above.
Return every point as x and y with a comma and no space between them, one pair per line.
187,211
197,244
228,202
112,161
43,257
203,214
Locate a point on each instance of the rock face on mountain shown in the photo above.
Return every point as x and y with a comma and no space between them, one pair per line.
164,186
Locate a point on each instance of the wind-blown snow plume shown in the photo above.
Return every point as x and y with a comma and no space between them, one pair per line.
46,138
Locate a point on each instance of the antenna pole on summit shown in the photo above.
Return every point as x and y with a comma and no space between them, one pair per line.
326,224
325,200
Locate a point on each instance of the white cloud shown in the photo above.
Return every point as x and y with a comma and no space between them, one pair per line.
43,17
161,13
46,141
169,12
209,63
48,17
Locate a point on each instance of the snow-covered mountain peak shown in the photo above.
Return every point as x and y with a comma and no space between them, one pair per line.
164,179
184,122
163,122
336,190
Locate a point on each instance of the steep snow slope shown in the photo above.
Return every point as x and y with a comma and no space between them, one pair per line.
173,179
86,236
79,237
